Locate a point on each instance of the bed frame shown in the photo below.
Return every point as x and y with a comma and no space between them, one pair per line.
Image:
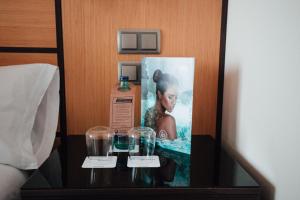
59,51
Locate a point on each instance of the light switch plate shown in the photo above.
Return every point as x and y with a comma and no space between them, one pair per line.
132,69
138,41
148,41
129,41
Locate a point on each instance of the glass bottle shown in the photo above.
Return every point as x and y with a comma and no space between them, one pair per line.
124,86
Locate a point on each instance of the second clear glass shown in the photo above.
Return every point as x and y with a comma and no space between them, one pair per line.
141,141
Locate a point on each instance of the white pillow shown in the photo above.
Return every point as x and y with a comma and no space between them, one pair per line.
11,181
29,105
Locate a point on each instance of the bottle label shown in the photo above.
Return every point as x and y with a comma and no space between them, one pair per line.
122,113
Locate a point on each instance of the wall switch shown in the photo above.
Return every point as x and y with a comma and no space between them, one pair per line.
148,41
129,41
132,69
138,41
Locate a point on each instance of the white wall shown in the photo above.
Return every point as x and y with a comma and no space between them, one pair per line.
261,110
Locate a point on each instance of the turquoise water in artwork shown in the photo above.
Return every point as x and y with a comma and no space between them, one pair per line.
175,145
183,127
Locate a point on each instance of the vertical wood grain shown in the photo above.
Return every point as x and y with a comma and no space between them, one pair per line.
29,23
189,28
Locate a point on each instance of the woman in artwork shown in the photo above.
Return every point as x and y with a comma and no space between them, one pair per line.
166,97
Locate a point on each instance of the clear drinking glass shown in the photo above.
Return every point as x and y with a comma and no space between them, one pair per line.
99,141
141,141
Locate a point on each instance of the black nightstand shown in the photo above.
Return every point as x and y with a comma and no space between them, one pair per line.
200,176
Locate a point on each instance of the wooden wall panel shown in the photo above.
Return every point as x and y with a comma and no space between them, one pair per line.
29,23
188,28
27,58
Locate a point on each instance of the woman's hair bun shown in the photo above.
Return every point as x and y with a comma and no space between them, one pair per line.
157,75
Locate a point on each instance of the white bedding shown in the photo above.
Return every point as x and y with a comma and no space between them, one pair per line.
10,182
29,106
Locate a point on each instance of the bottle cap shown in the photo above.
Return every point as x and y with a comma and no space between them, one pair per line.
124,78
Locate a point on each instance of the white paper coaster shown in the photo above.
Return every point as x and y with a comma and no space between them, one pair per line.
143,161
100,162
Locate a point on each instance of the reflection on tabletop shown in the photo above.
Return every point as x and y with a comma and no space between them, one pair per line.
63,169
174,171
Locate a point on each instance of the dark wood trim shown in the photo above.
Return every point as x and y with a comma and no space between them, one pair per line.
60,61
220,87
28,50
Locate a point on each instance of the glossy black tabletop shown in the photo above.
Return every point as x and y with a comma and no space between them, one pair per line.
201,169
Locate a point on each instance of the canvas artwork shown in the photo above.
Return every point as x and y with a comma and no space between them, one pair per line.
167,99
